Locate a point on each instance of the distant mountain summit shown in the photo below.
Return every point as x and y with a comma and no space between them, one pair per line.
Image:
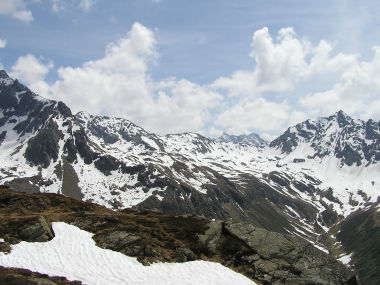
252,139
353,141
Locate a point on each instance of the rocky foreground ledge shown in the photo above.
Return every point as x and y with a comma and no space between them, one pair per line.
263,256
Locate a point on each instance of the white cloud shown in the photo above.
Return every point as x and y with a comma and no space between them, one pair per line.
60,5
296,117
184,108
282,64
32,71
278,65
3,43
356,92
264,99
29,69
17,9
119,85
260,114
86,4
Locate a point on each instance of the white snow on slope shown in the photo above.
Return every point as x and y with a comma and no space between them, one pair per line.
345,259
73,254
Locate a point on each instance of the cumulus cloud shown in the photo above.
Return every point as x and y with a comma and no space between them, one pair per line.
32,71
119,85
3,43
16,9
260,114
278,65
282,62
356,92
263,99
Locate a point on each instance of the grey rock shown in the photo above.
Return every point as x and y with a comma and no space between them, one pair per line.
209,240
134,250
266,244
250,258
149,251
39,231
186,254
111,218
118,240
265,266
282,259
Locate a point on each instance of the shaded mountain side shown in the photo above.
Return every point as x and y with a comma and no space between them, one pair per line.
256,203
360,235
269,257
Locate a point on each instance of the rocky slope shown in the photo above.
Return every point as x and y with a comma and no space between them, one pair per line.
268,257
304,183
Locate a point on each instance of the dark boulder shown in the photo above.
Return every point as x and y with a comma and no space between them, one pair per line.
36,231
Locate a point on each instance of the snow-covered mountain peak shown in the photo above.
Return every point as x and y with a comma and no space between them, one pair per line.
251,139
353,141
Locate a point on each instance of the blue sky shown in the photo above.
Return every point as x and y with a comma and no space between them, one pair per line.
205,66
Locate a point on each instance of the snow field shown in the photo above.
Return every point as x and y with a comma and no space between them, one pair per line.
73,254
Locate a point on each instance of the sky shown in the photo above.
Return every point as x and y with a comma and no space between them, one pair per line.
206,66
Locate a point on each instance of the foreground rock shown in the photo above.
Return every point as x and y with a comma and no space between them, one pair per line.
38,231
264,256
281,259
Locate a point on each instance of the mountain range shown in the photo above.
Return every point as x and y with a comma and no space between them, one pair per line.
318,181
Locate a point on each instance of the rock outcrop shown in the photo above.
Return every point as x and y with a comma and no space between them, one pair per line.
282,259
36,231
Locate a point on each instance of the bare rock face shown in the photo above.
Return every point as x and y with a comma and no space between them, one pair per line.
282,259
209,240
118,240
39,231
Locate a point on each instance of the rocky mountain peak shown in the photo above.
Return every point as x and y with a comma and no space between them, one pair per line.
251,139
5,79
3,74
342,119
353,141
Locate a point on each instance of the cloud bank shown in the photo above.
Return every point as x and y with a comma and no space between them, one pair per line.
264,99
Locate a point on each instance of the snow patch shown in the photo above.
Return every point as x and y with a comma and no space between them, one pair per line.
73,254
345,259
